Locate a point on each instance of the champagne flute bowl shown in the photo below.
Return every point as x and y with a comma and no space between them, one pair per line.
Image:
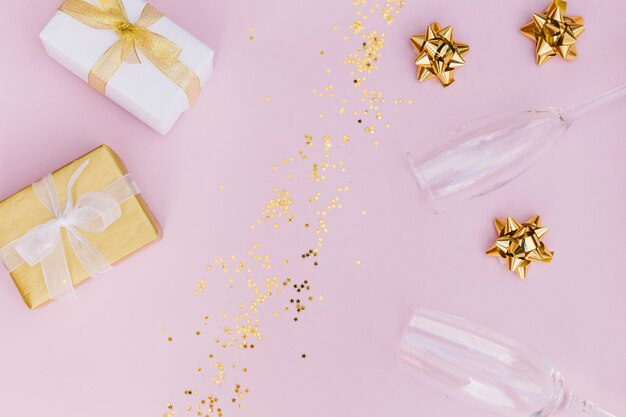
491,152
486,369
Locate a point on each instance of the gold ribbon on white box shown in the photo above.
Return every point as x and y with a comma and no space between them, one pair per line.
43,244
133,37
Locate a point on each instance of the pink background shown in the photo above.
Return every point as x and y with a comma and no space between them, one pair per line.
107,355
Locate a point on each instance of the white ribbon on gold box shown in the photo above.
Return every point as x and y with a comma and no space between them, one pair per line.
83,32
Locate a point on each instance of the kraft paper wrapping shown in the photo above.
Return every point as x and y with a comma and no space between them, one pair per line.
22,211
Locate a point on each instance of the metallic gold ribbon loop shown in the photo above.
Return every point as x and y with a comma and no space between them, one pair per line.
163,53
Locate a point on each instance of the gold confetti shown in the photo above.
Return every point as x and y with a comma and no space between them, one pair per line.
241,330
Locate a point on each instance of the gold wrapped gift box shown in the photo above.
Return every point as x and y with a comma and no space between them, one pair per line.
22,211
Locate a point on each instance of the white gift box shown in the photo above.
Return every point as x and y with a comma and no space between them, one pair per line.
142,89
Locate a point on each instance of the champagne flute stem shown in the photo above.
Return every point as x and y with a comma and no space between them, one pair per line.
583,408
572,113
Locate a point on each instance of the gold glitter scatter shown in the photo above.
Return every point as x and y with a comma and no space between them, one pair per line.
313,199
311,252
241,330
298,300
356,27
327,91
170,339
200,286
277,207
365,60
392,7
220,375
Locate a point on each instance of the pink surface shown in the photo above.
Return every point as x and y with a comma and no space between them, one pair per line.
107,353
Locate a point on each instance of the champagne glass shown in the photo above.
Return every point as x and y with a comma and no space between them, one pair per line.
486,369
490,152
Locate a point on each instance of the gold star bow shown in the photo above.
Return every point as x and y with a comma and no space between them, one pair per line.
520,244
438,54
554,32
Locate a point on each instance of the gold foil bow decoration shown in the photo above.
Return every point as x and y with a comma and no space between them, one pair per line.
134,37
520,244
438,54
554,32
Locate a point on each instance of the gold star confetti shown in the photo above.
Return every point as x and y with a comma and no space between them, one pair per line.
520,244
438,54
391,7
201,286
264,277
554,32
